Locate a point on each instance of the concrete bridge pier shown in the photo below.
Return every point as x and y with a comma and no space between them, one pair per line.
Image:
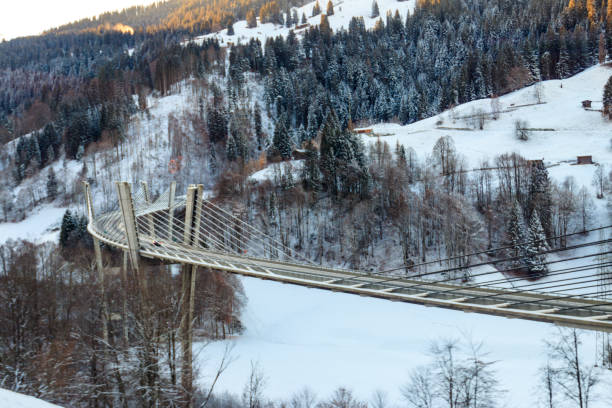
99,264
193,218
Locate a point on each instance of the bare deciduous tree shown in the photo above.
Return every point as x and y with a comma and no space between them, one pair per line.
576,378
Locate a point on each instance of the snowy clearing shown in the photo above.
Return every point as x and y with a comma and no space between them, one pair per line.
43,225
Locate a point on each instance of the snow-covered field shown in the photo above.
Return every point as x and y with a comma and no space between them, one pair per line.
308,337
42,225
344,11
10,399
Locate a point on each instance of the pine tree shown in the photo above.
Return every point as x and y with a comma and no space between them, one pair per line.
251,19
563,65
304,20
51,185
375,11
230,28
316,10
330,8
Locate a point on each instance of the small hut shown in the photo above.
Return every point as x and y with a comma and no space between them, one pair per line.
586,104
584,160
364,131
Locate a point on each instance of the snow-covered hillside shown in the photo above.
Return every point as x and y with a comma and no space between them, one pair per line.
344,11
564,129
10,399
307,337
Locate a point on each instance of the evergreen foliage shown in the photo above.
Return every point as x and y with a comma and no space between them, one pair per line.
281,144
51,185
607,96
316,9
251,19
536,261
375,11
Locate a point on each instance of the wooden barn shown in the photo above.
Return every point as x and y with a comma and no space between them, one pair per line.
364,131
584,160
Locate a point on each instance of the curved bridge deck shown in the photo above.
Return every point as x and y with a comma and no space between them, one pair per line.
201,241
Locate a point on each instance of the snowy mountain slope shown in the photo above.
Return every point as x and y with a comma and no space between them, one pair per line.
344,11
10,399
568,130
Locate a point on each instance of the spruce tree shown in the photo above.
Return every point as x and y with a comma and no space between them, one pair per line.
535,259
258,126
231,149
539,197
67,228
230,28
330,8
51,184
607,95
310,172
251,19
517,235
375,11
304,20
294,17
316,10
281,143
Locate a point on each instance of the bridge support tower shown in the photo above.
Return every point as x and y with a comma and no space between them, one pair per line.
193,219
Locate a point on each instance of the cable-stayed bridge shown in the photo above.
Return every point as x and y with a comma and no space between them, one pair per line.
192,230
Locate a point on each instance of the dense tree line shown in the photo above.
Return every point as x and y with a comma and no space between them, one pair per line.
445,53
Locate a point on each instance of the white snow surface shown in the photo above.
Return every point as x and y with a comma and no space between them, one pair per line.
42,225
10,399
571,130
277,170
344,11
322,340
